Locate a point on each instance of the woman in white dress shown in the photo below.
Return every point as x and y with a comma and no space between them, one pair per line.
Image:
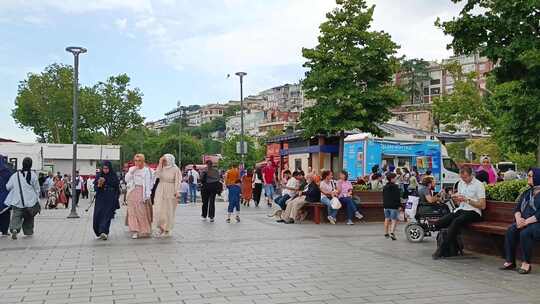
167,194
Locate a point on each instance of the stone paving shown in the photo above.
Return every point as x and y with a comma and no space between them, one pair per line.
255,261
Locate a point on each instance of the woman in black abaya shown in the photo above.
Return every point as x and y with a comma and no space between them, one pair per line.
107,187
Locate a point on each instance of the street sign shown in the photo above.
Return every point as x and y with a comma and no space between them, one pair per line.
238,151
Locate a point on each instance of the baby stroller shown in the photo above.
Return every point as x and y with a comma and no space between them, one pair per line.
52,199
422,217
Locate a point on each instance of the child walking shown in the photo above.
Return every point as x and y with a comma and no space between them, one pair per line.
184,189
391,205
235,191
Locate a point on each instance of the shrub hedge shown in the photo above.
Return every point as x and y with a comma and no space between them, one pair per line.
506,191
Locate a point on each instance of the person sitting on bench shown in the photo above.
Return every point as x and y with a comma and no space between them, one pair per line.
310,194
526,228
471,198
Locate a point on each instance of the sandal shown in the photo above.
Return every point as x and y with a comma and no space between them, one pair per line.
508,266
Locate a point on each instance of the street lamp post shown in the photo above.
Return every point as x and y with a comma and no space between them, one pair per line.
179,104
242,151
76,51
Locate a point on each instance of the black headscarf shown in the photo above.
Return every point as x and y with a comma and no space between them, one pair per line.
27,167
5,174
111,179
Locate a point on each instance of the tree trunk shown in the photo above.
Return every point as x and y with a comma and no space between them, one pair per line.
341,149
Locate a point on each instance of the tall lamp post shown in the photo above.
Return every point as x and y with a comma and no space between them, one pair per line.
76,51
179,104
242,151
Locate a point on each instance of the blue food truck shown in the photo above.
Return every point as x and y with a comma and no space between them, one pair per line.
362,152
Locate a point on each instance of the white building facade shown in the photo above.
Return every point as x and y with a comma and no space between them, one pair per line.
58,157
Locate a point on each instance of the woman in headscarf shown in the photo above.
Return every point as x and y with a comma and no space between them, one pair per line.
5,211
23,197
486,166
107,188
526,229
139,211
59,188
167,194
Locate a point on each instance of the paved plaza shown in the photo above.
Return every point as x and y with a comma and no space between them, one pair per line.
254,261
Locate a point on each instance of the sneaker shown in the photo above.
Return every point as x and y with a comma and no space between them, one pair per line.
228,220
349,222
103,236
393,236
331,220
280,221
387,235
238,219
135,236
13,235
203,219
359,215
211,220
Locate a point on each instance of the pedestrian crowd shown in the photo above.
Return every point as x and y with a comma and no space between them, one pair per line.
152,197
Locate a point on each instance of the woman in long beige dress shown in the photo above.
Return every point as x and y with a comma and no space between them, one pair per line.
139,209
167,194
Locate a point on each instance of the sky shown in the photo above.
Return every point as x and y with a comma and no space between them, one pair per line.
183,49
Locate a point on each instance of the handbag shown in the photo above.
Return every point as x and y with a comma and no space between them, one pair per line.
335,203
34,210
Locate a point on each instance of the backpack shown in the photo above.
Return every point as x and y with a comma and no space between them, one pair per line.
454,248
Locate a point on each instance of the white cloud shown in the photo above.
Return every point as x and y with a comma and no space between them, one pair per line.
121,23
78,6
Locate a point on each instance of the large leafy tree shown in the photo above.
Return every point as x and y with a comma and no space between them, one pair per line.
464,105
44,105
508,33
119,106
349,74
414,72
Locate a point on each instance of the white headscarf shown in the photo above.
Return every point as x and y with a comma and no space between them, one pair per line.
170,161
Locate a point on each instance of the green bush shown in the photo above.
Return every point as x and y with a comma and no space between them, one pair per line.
506,191
361,188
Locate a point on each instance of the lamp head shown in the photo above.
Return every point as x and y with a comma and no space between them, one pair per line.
241,74
76,50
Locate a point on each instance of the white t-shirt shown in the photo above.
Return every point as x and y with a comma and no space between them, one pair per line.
195,175
291,183
474,190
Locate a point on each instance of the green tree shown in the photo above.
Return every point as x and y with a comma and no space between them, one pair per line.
465,104
349,74
231,157
44,105
523,161
414,73
211,146
119,106
506,32
231,111
192,149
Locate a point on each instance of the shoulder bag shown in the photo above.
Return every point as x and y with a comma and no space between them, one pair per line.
34,210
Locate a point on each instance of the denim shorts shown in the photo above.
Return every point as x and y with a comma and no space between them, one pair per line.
392,214
269,190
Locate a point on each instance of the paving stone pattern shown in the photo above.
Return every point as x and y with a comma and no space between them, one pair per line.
255,261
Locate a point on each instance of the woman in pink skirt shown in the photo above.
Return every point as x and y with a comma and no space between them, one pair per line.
139,210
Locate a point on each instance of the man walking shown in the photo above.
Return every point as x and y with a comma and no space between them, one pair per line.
269,172
193,179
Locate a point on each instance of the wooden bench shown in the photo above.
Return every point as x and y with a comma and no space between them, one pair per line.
372,211
487,237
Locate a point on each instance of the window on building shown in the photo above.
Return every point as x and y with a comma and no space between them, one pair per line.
435,91
416,117
435,81
297,164
426,91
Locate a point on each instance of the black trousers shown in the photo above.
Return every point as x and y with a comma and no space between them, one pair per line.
525,237
77,197
257,190
5,219
208,197
455,222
